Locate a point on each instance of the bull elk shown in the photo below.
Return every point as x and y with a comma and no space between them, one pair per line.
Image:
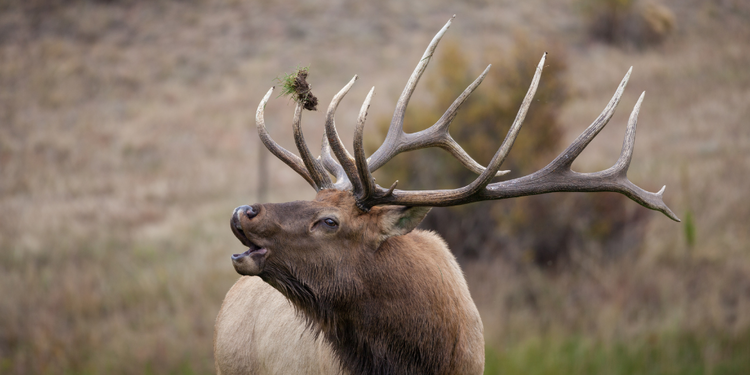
345,283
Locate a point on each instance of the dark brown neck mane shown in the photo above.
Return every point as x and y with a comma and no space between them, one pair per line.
384,320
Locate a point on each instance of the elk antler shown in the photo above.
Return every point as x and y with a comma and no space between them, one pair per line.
355,173
555,177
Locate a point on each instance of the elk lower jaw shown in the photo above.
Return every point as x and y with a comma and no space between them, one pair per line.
252,261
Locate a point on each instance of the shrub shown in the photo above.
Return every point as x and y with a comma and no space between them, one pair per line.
628,22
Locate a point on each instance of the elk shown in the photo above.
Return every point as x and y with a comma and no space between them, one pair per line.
345,283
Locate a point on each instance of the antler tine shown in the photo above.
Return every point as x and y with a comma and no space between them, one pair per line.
332,166
398,141
287,157
368,182
499,157
445,140
314,167
567,157
628,144
395,131
345,159
653,201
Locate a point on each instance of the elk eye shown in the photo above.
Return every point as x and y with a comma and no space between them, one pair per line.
330,222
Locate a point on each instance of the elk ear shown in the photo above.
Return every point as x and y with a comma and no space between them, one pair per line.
398,220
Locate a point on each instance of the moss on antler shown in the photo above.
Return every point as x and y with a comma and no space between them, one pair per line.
295,84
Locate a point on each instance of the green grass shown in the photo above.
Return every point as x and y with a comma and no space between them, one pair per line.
680,353
286,81
296,87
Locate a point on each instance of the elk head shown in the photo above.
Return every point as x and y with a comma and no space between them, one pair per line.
352,244
319,233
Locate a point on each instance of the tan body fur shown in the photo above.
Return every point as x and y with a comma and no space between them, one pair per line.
258,332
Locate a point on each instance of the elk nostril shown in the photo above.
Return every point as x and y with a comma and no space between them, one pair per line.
248,211
251,212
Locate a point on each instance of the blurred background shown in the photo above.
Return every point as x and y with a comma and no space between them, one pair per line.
127,138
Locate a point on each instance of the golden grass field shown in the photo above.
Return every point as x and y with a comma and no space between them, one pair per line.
127,138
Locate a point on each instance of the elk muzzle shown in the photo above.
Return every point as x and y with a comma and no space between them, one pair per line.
250,262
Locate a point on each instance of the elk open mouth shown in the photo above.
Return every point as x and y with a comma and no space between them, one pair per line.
253,250
252,261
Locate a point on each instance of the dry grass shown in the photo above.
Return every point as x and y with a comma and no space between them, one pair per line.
125,144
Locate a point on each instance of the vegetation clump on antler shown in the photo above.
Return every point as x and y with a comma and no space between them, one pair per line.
295,84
